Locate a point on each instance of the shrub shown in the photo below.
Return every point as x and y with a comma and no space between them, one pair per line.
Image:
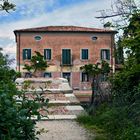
16,121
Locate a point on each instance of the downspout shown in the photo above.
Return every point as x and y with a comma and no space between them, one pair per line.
112,53
18,51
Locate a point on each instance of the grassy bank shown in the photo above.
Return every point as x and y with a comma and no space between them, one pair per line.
111,124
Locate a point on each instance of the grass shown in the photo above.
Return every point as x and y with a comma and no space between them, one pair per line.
110,123
89,123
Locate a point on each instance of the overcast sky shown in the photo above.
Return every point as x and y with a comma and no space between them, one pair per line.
37,13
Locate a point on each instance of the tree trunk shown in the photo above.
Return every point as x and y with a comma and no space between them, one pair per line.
93,91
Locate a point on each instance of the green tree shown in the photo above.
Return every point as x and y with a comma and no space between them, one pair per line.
5,5
37,64
93,70
126,83
119,53
16,110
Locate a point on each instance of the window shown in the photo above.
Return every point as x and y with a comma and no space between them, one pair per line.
26,54
47,54
94,38
28,75
84,54
37,38
66,57
84,77
67,75
47,75
105,54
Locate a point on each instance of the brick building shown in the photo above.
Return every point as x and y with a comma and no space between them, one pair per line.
66,49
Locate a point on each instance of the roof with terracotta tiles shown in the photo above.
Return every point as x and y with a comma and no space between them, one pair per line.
64,29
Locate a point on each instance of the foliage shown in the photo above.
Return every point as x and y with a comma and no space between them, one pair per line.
37,63
16,110
121,117
18,74
7,6
93,70
108,122
119,53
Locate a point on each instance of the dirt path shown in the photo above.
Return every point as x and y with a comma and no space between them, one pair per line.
63,130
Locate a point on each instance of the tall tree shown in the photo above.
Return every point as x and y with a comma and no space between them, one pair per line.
93,70
5,5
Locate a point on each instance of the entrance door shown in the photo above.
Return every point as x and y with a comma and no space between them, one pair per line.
67,75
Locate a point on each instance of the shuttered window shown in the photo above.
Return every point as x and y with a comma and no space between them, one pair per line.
84,54
105,54
47,54
26,54
66,57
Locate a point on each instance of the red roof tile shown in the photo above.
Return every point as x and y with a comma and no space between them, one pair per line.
64,29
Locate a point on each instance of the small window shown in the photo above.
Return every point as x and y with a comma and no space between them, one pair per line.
37,38
26,54
28,75
94,38
84,77
47,75
84,54
105,54
47,54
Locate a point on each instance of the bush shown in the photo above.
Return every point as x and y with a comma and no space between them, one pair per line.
16,121
111,122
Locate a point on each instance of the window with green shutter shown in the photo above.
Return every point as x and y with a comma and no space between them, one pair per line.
47,54
26,54
84,54
66,57
105,54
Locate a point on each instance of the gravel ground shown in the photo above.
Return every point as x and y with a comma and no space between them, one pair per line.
63,130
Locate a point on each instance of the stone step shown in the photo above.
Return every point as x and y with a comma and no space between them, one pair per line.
56,117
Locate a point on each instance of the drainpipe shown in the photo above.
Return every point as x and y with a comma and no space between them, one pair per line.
19,51
112,53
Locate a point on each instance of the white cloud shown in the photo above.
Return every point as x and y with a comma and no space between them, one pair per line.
82,14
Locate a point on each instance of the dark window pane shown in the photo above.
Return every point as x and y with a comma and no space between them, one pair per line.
47,75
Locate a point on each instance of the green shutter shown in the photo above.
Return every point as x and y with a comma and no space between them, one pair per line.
49,54
84,53
24,54
29,53
66,56
108,54
101,54
45,54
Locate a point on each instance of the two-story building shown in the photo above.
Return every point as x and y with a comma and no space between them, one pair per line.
66,49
